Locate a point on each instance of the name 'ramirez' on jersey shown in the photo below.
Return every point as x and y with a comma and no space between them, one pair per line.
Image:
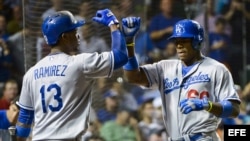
47,71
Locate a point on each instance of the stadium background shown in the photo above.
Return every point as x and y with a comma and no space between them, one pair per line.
146,9
33,10
31,47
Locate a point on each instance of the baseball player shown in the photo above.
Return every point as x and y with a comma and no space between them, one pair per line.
196,90
56,92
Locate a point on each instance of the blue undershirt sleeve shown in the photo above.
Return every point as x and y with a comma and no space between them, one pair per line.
119,49
25,120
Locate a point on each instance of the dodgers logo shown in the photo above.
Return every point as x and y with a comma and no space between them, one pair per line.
179,29
170,85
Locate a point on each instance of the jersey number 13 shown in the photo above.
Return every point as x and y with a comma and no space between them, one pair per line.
57,97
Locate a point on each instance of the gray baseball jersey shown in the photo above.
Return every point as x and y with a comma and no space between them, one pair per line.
208,77
58,88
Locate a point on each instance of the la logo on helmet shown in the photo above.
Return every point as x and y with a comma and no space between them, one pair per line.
179,29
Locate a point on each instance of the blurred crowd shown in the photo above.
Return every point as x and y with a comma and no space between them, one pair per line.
121,111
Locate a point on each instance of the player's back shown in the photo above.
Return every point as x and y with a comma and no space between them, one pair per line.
60,94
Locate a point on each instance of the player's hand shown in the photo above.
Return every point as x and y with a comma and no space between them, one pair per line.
130,26
193,104
105,17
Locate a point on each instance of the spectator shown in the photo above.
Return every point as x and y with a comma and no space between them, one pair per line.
123,128
85,11
146,124
238,16
8,118
244,117
3,30
111,105
5,62
160,134
246,97
127,99
158,117
161,25
94,138
126,8
102,85
209,23
57,5
10,92
170,51
15,43
90,42
16,22
207,19
220,42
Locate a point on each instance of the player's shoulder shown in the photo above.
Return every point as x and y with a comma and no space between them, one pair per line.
212,63
169,62
29,73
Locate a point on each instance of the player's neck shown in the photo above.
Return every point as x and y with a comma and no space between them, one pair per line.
192,61
55,50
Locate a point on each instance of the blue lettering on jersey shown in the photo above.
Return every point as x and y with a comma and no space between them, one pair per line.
47,71
175,83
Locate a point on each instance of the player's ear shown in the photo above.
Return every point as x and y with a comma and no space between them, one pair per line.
64,36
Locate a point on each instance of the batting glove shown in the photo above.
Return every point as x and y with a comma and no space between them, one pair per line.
130,26
105,17
193,104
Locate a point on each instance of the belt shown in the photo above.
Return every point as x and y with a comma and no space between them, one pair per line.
193,137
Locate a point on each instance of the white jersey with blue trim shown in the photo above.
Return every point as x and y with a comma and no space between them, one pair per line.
207,78
58,88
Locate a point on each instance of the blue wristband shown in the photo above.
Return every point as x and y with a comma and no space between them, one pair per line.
132,64
227,108
22,132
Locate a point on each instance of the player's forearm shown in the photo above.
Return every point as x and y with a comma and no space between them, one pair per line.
119,49
113,27
130,43
132,72
137,77
23,125
217,109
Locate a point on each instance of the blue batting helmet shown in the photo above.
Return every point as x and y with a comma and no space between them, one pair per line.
188,29
56,24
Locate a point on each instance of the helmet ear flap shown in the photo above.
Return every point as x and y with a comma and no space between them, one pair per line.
198,39
196,42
